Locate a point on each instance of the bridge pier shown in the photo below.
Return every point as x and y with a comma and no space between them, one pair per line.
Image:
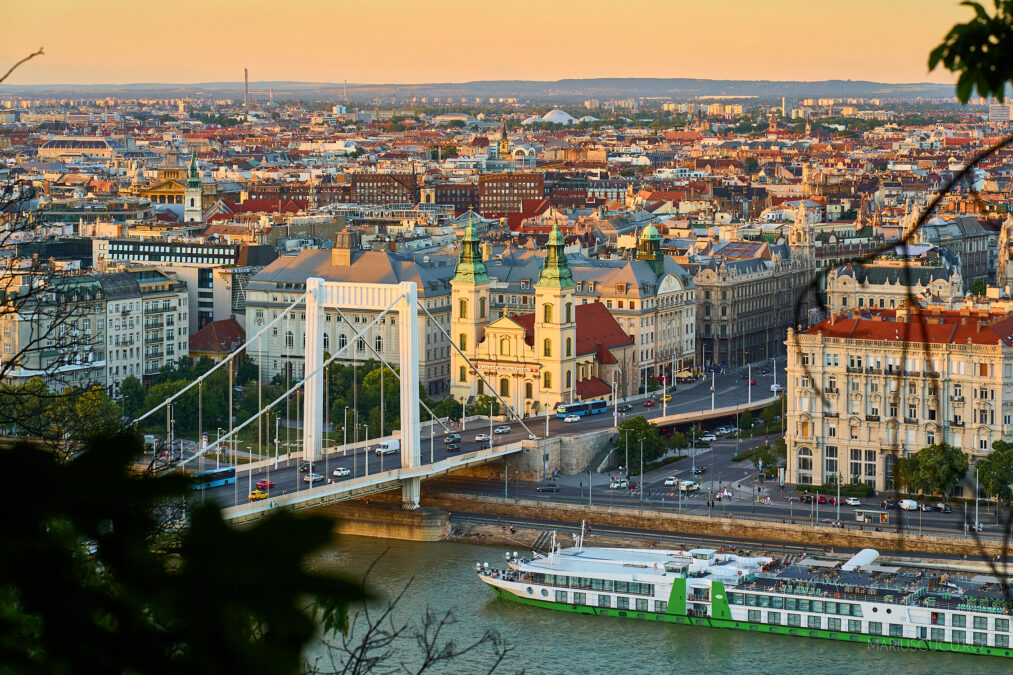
411,491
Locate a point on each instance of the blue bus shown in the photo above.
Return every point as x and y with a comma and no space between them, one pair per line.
581,409
203,480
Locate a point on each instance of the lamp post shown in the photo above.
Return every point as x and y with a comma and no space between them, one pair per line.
218,449
615,402
432,423
277,434
344,430
365,455
749,383
713,374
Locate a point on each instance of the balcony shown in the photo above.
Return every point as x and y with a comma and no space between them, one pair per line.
854,369
872,418
929,373
154,324
956,424
156,340
871,370
910,420
831,390
154,354
831,415
957,399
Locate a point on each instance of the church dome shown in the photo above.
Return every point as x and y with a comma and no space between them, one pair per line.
650,232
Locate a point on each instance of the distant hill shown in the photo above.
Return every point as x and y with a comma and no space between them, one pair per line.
563,91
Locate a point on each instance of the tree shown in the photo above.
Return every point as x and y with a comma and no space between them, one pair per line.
964,51
678,441
133,394
995,472
95,415
769,414
936,468
978,288
746,420
634,429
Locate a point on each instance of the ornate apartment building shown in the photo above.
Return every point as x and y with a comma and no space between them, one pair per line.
892,280
867,386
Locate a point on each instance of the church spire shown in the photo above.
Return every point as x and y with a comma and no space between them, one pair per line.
194,179
555,271
470,266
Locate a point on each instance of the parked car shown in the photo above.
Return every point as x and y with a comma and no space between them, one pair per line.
943,508
312,478
341,472
452,438
618,483
547,486
699,470
625,407
822,499
571,418
853,501
908,505
502,429
670,481
482,437
776,388
650,403
708,438
257,495
264,484
924,507
453,447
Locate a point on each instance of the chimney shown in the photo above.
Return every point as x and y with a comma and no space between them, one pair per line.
346,243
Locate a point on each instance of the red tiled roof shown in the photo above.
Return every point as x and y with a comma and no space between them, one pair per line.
597,331
218,337
929,326
592,388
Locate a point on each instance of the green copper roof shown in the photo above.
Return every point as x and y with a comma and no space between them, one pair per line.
555,272
194,180
470,267
650,232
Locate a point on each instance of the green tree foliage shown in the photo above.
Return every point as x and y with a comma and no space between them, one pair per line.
133,394
94,580
634,429
678,441
746,420
995,472
978,288
980,51
770,413
935,469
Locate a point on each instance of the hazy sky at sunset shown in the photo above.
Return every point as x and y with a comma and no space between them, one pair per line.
119,41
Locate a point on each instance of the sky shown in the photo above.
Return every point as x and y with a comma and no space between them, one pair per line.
420,41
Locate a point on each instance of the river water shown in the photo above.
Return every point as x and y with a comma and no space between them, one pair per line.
560,643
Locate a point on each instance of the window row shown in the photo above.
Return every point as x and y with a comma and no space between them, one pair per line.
795,604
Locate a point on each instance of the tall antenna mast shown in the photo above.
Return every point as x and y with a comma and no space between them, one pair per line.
246,88
346,91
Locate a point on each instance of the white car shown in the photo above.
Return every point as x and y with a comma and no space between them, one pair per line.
853,501
341,471
670,481
689,486
312,478
708,438
572,418
776,388
618,483
532,437
505,429
482,437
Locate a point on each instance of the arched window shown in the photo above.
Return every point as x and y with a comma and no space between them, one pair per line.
289,339
191,201
360,344
462,342
569,347
342,341
504,347
463,375
547,381
504,387
463,313
481,308
528,390
547,347
547,313
569,379
327,341
805,459
569,312
378,343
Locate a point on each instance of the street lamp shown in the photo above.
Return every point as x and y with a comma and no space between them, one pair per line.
344,430
218,448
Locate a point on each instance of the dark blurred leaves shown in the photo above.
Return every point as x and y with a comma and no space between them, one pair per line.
980,51
93,578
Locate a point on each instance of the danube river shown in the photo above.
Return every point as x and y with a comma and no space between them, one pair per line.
543,641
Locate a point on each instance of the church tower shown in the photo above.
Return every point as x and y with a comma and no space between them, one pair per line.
1004,262
555,325
503,150
650,249
193,209
469,312
800,235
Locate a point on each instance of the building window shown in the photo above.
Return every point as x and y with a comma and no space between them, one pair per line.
378,341
569,379
360,344
569,312
569,347
481,388
504,387
463,375
463,309
504,347
527,390
481,308
342,341
546,314
547,381
547,346
289,339
462,342
327,341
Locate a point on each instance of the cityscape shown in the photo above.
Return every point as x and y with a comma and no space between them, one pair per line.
404,366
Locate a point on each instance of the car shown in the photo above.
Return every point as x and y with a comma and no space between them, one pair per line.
547,486
264,484
689,486
452,438
532,437
453,447
482,437
976,528
504,429
942,508
699,470
571,418
908,505
708,438
625,407
384,449
670,481
305,467
808,499
666,398
650,403
312,478
776,388
853,501
752,383
341,472
924,507
618,483
257,495
888,504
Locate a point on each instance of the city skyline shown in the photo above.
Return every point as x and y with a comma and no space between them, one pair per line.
461,43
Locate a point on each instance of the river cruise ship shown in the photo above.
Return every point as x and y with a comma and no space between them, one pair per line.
860,600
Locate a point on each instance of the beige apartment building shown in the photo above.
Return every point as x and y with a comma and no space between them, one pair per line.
868,386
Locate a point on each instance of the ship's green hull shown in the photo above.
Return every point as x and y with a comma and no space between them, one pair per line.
878,640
